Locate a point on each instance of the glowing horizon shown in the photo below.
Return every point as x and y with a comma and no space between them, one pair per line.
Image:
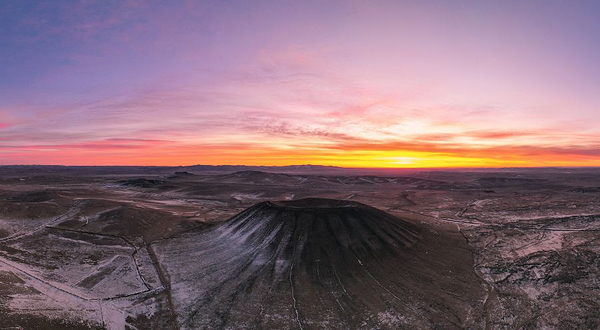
383,84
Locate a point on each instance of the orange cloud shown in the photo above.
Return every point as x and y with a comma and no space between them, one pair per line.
348,153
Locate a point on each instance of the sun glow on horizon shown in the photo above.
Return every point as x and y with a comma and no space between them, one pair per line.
346,83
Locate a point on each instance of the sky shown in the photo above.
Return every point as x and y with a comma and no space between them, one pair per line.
345,83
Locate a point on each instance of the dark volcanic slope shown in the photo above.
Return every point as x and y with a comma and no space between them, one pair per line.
315,230
318,263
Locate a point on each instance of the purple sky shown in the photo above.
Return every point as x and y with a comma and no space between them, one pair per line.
352,83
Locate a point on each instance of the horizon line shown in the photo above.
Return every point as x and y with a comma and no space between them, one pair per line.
313,165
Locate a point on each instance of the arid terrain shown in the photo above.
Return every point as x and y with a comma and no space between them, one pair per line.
301,247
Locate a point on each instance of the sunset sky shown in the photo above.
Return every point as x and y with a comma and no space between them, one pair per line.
347,83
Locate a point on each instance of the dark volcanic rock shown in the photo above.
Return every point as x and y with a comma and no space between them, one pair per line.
310,230
142,183
318,263
181,175
34,197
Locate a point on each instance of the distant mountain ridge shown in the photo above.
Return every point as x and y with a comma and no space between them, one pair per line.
40,170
